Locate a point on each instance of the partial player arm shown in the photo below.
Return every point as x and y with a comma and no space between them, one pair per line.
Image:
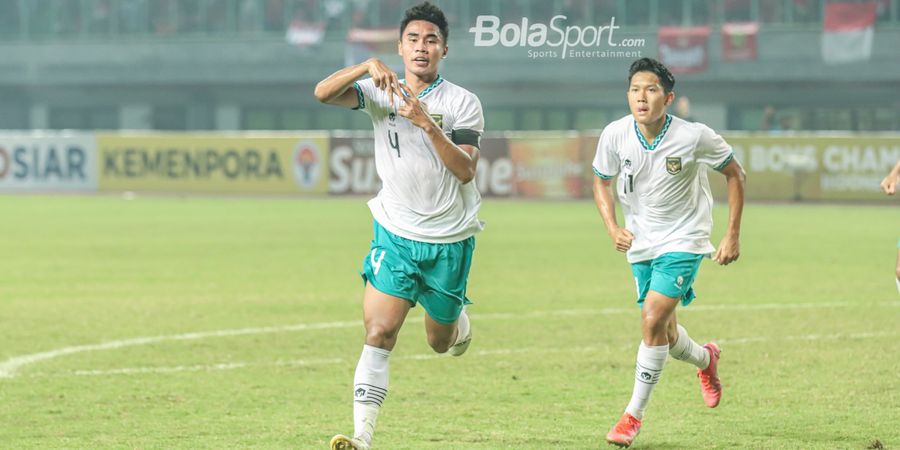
889,183
459,159
603,197
335,90
730,247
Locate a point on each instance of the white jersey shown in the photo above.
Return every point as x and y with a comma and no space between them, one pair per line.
662,186
420,199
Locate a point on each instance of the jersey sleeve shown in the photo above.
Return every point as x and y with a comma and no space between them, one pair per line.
469,125
712,149
366,93
606,160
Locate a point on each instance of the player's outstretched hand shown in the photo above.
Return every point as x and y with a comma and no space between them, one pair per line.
413,109
384,78
889,184
728,252
622,239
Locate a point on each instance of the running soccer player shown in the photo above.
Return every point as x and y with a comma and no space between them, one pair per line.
427,134
889,186
660,162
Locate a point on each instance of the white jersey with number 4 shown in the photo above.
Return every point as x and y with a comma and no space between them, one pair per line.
420,198
662,186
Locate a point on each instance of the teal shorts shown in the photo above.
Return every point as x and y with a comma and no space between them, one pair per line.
670,274
434,275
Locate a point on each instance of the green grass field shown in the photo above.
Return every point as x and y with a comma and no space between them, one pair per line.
252,310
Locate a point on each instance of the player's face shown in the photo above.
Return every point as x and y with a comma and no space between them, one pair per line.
647,99
422,46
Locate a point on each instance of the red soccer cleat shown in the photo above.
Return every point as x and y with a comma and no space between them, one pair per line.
710,386
624,432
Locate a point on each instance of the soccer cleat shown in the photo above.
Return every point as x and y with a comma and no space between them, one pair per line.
624,432
710,385
341,442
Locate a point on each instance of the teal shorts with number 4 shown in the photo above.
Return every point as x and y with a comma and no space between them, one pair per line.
670,274
433,275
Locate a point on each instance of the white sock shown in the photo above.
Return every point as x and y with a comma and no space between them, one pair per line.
369,389
685,349
650,362
462,327
898,284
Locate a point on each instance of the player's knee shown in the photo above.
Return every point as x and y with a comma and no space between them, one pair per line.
440,344
379,335
898,272
652,319
654,324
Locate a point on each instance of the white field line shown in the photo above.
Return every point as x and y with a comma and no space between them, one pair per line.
428,356
10,367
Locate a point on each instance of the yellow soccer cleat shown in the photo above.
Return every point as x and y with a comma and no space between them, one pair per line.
341,442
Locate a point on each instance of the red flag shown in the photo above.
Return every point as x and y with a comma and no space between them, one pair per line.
739,41
304,34
848,32
365,43
684,49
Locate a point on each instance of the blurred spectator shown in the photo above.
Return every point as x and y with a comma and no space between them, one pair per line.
65,18
390,13
132,16
216,15
275,15
773,122
250,16
737,10
9,19
806,10
100,17
771,11
683,108
669,13
164,16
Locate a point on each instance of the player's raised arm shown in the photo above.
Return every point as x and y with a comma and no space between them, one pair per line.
730,247
336,89
603,197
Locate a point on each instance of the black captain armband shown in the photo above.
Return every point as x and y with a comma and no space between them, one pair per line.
466,137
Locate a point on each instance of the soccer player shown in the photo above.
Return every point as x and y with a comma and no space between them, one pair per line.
660,162
889,185
427,134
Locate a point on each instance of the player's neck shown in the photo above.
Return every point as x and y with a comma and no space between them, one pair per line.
418,84
651,130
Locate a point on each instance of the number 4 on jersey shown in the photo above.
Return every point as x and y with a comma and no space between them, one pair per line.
395,142
376,261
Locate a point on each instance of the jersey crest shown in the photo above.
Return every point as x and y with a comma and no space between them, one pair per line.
673,164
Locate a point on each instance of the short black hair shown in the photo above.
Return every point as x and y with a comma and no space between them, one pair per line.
656,67
429,13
